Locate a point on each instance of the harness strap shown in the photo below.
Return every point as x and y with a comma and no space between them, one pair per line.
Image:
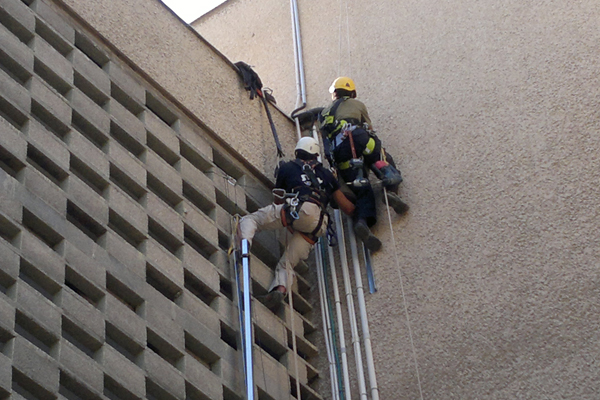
287,221
329,118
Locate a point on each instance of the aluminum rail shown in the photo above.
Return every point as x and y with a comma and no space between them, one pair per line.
248,361
362,308
340,320
327,329
360,374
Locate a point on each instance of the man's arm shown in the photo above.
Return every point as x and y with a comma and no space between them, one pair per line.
343,203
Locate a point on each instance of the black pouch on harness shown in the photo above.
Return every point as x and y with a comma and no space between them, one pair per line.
331,235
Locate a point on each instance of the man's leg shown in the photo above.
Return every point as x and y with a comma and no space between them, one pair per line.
391,179
266,218
297,250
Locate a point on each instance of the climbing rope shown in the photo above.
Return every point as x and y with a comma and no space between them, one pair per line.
290,281
397,259
344,11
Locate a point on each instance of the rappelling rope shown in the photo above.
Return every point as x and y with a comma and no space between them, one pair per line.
344,10
290,282
397,259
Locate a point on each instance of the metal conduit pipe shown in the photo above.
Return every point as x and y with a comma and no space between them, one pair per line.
362,308
332,321
351,311
248,347
338,312
327,330
298,64
338,307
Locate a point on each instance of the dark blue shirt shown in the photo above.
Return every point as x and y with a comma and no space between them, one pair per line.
292,179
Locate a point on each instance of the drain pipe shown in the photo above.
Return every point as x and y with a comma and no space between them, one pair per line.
362,389
327,328
340,321
248,343
298,63
362,309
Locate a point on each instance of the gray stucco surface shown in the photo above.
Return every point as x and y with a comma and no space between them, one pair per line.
492,111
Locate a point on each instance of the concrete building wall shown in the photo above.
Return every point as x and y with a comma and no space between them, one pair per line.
127,144
492,111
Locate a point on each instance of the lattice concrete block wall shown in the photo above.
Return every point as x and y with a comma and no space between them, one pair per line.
115,218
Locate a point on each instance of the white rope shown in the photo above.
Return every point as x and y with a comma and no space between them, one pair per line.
340,42
412,344
290,282
348,40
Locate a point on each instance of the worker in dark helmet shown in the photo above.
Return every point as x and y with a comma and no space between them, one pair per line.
354,149
302,192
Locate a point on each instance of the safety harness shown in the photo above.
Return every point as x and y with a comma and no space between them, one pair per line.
312,193
338,130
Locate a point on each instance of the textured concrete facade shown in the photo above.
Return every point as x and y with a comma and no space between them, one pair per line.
118,186
492,110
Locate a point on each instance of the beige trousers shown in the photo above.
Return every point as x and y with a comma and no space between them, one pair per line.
297,248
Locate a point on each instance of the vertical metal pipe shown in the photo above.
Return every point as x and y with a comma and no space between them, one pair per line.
360,373
249,364
362,307
327,330
340,319
298,59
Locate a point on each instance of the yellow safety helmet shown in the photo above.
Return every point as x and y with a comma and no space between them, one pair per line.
343,82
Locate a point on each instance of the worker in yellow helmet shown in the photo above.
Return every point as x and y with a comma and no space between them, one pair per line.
354,149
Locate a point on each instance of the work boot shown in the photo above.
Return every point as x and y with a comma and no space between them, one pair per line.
396,203
363,232
274,298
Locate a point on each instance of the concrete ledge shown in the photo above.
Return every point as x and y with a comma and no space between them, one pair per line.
46,13
202,379
18,54
126,120
90,71
14,93
5,375
84,150
164,374
10,268
127,208
83,367
124,372
82,313
44,313
37,366
89,110
125,253
52,64
165,215
125,82
18,18
126,320
128,164
43,258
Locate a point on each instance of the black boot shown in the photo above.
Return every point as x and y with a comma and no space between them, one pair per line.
396,203
363,232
